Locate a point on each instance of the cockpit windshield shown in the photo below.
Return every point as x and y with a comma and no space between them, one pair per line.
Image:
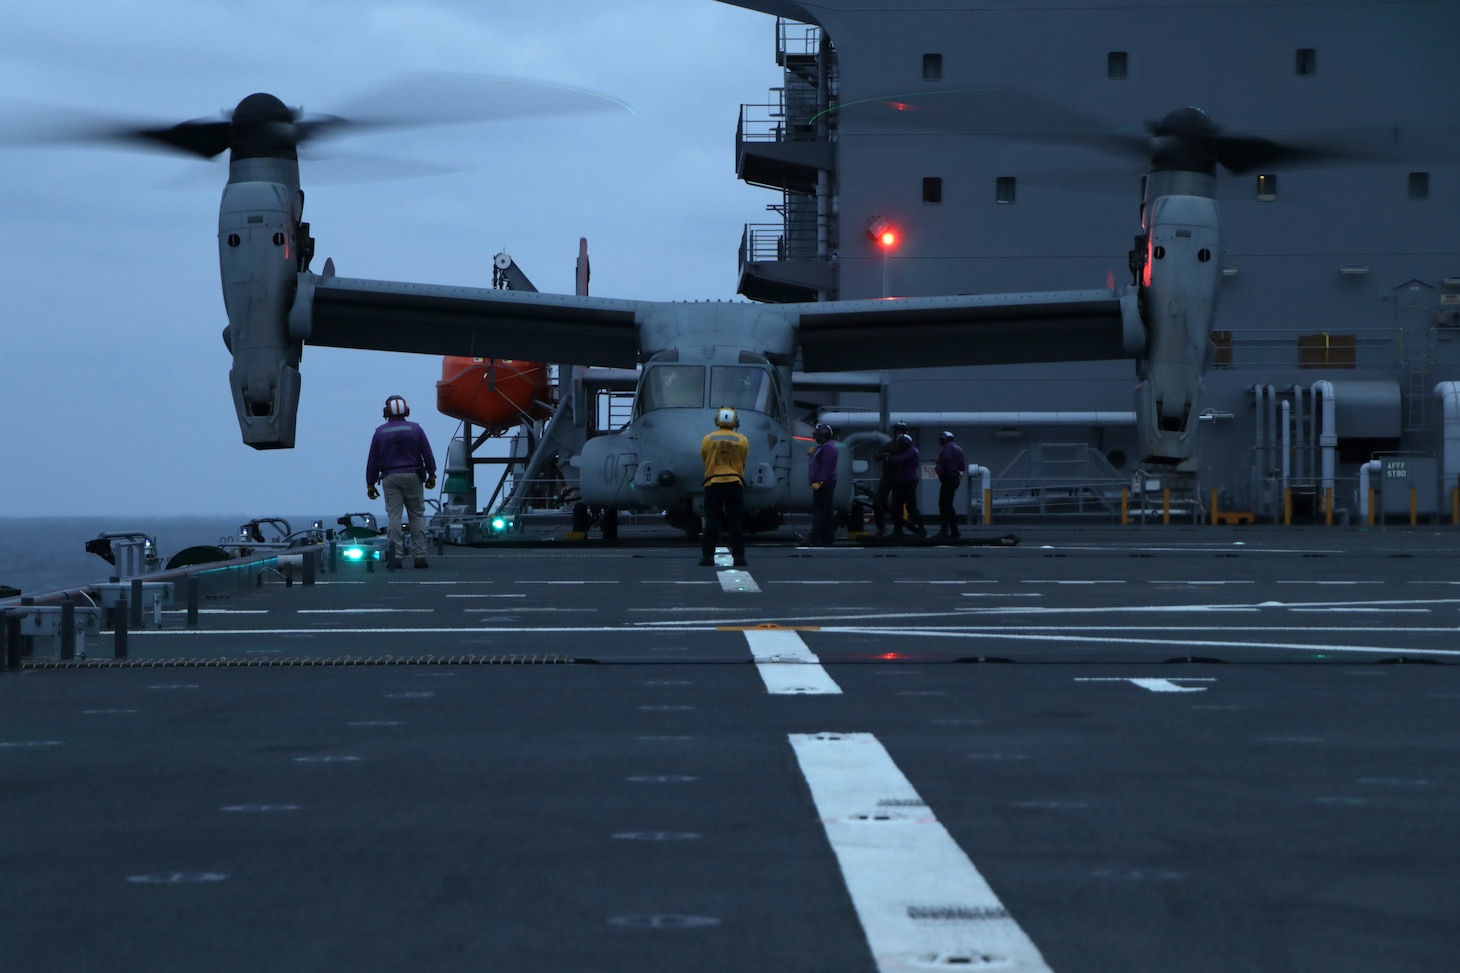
751,387
671,387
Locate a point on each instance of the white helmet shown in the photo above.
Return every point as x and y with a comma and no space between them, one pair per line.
396,408
726,418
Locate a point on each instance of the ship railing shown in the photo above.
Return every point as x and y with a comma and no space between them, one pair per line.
764,242
790,118
796,39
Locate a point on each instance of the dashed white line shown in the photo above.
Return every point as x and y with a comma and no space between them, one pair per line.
363,611
484,595
1173,581
1101,581
1329,582
1002,594
964,581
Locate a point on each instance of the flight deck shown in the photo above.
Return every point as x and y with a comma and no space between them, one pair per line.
1143,749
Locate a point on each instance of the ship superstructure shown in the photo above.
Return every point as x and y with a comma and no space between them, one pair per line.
1337,351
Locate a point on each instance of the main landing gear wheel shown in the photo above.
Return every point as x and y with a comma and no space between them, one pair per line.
609,523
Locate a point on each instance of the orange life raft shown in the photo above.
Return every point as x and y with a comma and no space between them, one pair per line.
493,393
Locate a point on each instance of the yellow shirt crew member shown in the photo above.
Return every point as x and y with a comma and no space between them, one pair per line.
723,452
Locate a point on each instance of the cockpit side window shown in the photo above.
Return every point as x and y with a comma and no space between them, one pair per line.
671,387
751,387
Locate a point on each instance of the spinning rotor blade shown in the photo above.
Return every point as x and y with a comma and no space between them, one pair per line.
1186,138
989,111
204,139
448,99
264,125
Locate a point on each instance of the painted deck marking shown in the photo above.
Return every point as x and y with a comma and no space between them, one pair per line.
485,595
902,868
1002,594
1167,685
787,666
363,611
1173,581
737,580
1103,581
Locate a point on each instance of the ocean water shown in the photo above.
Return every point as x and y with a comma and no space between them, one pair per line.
44,553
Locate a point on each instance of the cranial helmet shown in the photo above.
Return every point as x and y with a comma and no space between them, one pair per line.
945,436
726,418
822,432
898,428
396,408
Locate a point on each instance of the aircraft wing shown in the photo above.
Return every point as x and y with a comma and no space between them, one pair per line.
430,319
981,329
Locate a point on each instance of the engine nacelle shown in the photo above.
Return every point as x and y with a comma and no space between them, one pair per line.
257,224
1178,297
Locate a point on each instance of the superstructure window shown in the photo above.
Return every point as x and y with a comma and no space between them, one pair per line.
1117,65
1307,61
932,67
1419,185
1004,189
932,189
1267,188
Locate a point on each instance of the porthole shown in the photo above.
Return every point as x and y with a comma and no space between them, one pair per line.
1158,252
278,239
1203,255
233,240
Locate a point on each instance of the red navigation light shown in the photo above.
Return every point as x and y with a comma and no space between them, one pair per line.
883,232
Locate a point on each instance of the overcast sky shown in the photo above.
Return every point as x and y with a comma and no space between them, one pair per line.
111,360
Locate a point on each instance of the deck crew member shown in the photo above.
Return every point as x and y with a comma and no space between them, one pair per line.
949,467
724,452
882,497
907,470
401,462
821,470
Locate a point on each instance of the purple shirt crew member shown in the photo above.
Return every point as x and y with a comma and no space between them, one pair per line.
821,473
949,467
399,454
907,468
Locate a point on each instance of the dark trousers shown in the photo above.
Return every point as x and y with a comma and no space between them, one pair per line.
882,503
947,517
823,514
905,495
724,504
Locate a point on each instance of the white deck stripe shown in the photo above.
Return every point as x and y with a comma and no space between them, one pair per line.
364,611
787,665
921,901
737,580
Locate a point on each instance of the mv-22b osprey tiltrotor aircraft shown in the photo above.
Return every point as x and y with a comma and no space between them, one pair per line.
697,357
